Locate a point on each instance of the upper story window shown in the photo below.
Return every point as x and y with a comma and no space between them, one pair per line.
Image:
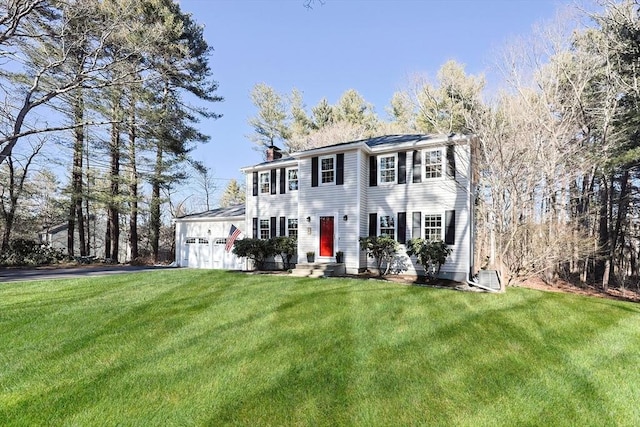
292,179
387,169
387,226
265,232
433,164
292,226
327,170
433,227
264,183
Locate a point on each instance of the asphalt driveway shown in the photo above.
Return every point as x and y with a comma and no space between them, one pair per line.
49,273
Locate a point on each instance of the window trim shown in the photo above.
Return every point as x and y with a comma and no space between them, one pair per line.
320,170
289,180
395,168
264,187
423,169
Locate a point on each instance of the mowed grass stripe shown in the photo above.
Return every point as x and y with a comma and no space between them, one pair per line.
189,347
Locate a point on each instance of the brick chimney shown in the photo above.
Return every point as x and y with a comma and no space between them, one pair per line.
273,153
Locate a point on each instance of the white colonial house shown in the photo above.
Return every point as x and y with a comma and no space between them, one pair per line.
404,186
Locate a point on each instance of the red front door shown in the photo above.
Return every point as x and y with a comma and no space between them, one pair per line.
326,236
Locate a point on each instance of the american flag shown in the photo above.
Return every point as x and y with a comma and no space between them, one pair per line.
233,235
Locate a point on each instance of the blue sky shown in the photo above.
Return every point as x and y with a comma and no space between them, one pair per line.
370,46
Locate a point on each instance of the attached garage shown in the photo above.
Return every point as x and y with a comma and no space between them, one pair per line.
203,240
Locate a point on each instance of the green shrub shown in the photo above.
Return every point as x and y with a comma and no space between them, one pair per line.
257,250
430,254
285,247
23,252
382,249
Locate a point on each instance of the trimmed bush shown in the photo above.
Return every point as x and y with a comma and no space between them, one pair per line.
431,254
382,249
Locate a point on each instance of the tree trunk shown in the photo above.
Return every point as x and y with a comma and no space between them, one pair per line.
154,220
602,266
133,184
76,217
113,209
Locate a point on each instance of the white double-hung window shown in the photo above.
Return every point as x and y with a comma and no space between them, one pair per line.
264,183
265,232
388,226
433,163
292,226
387,169
327,170
433,227
292,179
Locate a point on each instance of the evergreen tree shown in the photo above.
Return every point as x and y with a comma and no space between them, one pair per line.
270,124
234,194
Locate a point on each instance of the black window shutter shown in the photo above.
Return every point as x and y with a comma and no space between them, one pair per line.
373,171
255,183
255,228
283,180
314,171
402,227
450,230
273,181
283,226
273,226
373,225
451,161
402,168
417,166
340,169
416,226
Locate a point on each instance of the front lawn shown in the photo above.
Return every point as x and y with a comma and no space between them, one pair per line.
196,347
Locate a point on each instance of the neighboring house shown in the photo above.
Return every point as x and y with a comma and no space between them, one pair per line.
202,239
56,237
405,186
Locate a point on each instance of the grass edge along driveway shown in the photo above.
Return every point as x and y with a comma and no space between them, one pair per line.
197,347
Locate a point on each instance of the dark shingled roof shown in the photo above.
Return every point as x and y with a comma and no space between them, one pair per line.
371,142
231,211
397,139
384,140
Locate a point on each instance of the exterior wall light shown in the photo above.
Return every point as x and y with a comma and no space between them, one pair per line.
345,217
308,219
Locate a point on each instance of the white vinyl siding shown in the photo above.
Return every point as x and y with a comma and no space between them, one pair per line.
428,197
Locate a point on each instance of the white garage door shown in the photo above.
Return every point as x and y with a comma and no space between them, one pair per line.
198,252
222,259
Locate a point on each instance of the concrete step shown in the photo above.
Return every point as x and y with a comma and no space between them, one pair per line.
318,270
